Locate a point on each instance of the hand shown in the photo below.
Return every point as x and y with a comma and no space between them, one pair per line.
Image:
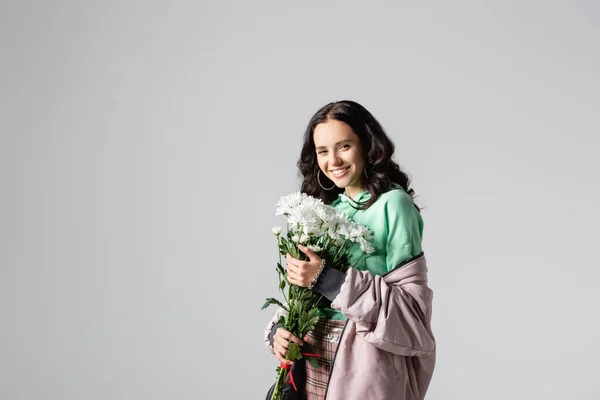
301,273
281,341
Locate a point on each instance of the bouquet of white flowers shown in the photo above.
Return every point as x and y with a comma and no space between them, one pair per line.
328,233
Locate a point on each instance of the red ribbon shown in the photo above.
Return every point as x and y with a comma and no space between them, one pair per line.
286,366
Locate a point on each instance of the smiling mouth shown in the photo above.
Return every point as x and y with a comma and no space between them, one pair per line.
338,172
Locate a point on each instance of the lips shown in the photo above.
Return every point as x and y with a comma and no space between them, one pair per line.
338,171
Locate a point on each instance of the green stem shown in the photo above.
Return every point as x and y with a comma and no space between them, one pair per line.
361,256
279,384
337,254
289,290
278,275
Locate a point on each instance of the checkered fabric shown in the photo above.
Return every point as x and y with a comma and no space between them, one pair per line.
326,337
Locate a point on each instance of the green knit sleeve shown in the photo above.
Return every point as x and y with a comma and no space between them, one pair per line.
404,228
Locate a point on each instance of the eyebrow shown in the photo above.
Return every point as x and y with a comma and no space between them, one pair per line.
337,144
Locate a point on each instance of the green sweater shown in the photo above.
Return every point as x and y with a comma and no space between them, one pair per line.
397,229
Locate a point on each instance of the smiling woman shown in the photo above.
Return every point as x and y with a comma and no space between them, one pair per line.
340,155
344,134
383,300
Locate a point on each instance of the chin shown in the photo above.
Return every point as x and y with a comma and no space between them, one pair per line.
342,185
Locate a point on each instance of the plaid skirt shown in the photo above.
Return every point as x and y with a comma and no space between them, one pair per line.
326,337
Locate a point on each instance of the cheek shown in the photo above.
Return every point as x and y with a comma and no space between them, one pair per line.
358,161
321,163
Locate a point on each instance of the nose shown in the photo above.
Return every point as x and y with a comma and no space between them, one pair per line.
335,159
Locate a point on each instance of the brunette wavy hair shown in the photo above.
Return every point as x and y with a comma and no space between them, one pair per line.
381,171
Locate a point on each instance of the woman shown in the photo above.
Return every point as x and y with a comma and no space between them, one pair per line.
374,340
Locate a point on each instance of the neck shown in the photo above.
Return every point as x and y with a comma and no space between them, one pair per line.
352,192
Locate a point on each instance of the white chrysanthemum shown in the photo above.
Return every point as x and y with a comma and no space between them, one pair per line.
311,202
294,221
315,248
276,230
287,204
313,230
342,220
324,213
359,232
299,238
304,214
333,234
344,230
339,242
365,246
309,220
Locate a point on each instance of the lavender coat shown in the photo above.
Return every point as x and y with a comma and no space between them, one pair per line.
387,349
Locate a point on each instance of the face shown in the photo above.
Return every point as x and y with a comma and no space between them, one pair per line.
340,155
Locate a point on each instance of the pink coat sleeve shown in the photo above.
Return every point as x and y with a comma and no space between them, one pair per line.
280,311
393,316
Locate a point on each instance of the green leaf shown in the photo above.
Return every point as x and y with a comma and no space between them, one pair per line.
313,361
294,352
280,269
282,285
308,320
270,301
284,245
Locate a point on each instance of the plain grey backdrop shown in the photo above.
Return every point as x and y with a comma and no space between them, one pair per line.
144,145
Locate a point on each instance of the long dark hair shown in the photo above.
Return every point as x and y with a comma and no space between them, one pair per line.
381,171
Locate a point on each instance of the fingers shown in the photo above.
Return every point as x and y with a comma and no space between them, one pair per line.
301,267
280,354
293,277
301,273
311,255
299,276
294,262
287,336
281,341
294,273
297,280
291,260
298,267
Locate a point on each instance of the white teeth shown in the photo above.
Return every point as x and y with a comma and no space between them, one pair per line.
338,171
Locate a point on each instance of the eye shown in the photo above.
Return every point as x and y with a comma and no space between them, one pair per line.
321,151
345,146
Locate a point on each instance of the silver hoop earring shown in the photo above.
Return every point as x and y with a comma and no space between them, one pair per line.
366,176
320,184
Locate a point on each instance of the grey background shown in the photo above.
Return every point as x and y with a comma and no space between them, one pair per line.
144,145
